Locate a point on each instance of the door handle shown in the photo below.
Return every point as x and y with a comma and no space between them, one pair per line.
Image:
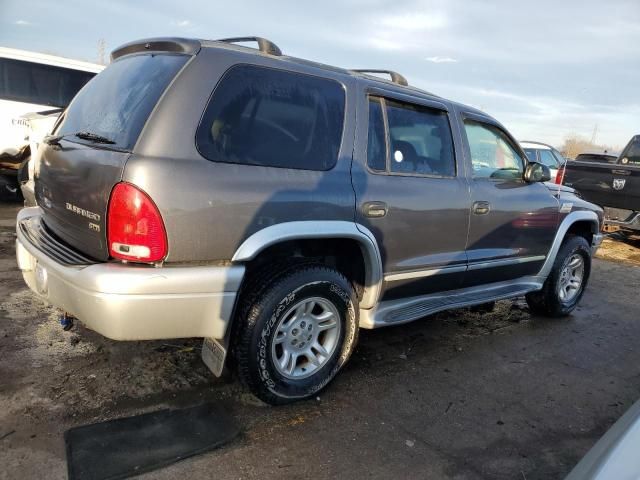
481,208
374,209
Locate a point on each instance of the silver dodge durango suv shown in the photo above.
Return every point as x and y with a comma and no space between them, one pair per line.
273,206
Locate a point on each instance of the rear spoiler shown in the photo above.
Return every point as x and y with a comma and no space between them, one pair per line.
176,45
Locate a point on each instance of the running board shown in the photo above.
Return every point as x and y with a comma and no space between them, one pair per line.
394,312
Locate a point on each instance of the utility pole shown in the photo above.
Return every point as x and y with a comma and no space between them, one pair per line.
101,51
594,134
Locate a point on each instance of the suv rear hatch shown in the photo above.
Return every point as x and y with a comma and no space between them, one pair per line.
85,158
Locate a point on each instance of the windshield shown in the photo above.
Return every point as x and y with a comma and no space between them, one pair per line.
115,105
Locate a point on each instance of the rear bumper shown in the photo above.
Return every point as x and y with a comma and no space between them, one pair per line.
128,302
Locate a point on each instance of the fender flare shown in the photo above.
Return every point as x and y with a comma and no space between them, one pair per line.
299,230
561,233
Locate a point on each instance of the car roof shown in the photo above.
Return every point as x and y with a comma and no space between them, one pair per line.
532,144
192,46
46,59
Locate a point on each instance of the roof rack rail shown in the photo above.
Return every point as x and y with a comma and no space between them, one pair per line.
264,45
395,76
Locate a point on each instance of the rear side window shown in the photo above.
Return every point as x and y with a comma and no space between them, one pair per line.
419,139
40,84
116,104
267,117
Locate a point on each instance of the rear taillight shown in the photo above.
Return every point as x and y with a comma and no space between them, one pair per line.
135,230
560,176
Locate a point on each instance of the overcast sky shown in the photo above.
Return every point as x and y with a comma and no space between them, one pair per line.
546,69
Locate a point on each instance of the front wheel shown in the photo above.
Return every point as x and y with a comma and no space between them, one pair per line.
566,282
298,329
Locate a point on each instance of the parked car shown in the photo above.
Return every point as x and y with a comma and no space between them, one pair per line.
612,185
39,125
31,82
615,456
274,206
545,154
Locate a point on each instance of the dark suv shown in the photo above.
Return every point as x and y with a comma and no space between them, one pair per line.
274,206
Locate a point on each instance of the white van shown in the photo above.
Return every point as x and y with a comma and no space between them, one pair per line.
33,82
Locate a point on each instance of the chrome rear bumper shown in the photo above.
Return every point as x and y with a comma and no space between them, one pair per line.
125,301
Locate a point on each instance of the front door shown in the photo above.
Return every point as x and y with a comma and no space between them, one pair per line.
411,193
513,223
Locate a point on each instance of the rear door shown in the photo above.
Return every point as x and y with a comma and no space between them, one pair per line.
411,193
512,223
77,172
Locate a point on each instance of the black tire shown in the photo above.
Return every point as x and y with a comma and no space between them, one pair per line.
264,305
547,301
9,189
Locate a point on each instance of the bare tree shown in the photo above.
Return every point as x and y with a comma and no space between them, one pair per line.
575,145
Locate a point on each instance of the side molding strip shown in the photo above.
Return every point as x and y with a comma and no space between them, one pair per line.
281,232
393,277
505,262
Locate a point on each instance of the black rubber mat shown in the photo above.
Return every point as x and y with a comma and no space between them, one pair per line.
130,446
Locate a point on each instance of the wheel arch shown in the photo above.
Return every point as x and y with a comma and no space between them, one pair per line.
319,230
577,222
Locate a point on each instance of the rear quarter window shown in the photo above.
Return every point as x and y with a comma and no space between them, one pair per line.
268,117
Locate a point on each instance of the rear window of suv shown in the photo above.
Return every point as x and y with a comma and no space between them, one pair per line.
268,117
116,103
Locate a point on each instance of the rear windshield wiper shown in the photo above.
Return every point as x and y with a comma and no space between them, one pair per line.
93,137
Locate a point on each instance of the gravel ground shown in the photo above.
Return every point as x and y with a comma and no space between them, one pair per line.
460,395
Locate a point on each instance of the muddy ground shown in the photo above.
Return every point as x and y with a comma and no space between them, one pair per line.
460,395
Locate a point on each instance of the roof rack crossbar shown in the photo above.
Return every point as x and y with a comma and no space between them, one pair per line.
395,76
264,45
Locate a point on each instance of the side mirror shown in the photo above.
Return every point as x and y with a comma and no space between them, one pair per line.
537,172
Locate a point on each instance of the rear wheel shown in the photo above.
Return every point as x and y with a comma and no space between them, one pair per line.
298,329
566,282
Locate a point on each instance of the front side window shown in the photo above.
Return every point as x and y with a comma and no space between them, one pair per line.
547,158
492,154
267,117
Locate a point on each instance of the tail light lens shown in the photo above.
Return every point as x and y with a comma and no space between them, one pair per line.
135,230
560,175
